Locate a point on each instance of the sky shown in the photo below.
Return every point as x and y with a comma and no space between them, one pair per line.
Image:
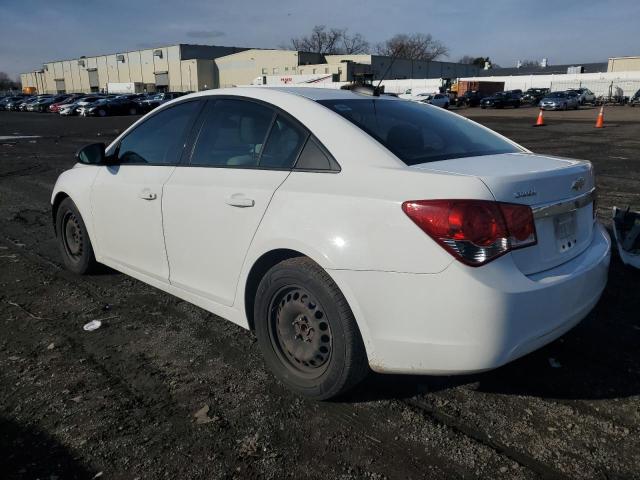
564,31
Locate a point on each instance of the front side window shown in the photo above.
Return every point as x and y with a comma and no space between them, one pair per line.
159,140
417,133
233,134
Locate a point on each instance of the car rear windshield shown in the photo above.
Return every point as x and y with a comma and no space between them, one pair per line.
418,133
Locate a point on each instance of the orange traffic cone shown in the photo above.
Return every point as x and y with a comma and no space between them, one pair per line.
540,121
600,120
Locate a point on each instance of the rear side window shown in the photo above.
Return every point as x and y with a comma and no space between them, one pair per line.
284,144
417,133
314,157
160,139
233,134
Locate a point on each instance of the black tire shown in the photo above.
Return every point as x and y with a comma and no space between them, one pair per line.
306,330
102,113
446,106
73,239
133,111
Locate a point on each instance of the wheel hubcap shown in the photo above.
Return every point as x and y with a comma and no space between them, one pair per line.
72,235
300,331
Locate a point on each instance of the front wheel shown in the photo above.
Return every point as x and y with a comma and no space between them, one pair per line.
73,239
306,330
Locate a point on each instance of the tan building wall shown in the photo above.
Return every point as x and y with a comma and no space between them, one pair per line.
244,67
33,80
623,64
156,68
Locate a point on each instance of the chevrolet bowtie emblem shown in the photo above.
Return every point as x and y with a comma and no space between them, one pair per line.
578,184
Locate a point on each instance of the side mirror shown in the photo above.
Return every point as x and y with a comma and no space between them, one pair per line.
92,154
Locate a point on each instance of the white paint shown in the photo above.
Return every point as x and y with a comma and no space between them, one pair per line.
17,137
418,309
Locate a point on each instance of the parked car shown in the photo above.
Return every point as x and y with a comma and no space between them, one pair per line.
501,100
24,105
42,105
74,108
437,99
584,95
559,101
7,103
635,99
157,99
534,95
55,107
477,249
470,98
110,106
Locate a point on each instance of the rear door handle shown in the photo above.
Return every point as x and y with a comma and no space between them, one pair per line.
239,200
147,194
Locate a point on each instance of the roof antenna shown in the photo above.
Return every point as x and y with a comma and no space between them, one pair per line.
377,88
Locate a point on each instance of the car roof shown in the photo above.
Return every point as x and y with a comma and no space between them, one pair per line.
322,93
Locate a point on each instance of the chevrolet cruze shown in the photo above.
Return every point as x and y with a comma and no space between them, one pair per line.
348,231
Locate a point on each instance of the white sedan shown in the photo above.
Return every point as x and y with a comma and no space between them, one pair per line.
349,231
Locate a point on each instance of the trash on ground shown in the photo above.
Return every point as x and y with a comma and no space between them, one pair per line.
92,325
51,346
554,363
202,416
626,230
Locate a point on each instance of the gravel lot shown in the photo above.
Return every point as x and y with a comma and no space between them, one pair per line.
121,400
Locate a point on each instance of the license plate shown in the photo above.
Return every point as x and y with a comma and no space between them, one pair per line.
565,228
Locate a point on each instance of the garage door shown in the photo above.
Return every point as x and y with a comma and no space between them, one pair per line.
162,79
60,86
93,78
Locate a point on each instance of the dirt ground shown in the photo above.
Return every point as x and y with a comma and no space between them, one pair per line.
119,402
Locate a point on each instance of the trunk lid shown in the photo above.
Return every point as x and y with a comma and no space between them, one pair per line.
557,189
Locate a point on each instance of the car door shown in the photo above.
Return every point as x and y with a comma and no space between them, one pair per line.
126,196
212,207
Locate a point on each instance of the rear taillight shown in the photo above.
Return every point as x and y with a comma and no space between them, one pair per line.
474,231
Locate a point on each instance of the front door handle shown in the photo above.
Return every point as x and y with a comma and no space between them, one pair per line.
147,194
239,200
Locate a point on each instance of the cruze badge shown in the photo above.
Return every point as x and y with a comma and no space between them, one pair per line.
526,193
578,184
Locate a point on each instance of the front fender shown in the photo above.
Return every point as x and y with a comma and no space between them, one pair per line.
76,184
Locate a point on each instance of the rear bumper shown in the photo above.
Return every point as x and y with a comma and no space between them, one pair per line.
468,319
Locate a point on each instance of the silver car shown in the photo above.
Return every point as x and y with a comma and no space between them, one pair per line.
560,101
584,95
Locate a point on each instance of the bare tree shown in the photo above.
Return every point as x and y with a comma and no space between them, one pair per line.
330,41
354,44
6,83
418,46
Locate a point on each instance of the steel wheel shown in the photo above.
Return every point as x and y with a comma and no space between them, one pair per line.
72,236
300,334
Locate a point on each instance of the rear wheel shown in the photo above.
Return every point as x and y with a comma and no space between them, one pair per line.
133,111
307,332
73,239
102,112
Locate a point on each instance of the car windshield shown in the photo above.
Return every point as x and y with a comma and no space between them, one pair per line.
557,95
418,133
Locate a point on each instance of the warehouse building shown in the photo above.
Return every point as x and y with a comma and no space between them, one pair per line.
381,66
185,67
245,67
179,68
623,64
